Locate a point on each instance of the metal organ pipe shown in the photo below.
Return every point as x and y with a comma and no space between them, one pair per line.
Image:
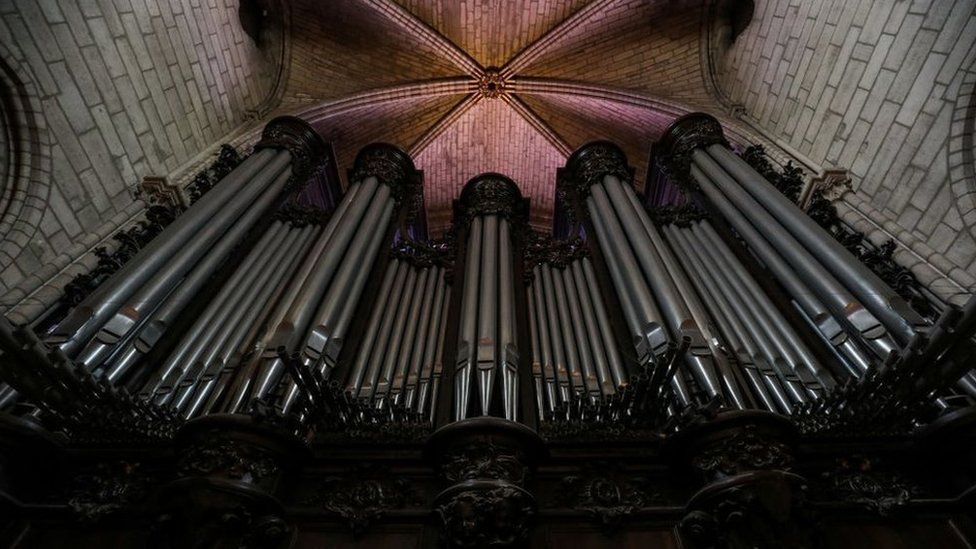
886,305
89,316
487,356
827,288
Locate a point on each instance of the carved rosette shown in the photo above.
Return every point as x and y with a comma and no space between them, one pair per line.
487,462
491,194
393,168
299,138
587,167
858,480
686,134
746,450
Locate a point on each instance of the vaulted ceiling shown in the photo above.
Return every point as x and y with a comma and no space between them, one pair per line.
512,86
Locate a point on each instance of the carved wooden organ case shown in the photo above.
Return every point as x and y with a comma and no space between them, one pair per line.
720,374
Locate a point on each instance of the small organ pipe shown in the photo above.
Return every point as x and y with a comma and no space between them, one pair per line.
382,309
401,288
542,328
616,364
570,347
438,360
423,341
724,256
560,373
581,338
537,381
598,350
395,349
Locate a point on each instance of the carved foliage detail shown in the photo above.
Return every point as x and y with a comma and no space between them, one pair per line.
857,480
606,494
747,450
108,488
227,457
363,496
483,461
497,517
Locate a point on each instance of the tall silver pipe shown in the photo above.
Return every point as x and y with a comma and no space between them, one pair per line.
537,381
651,333
753,318
755,324
352,263
545,346
225,356
278,329
644,241
296,322
433,387
705,362
506,323
735,332
488,359
890,308
467,348
85,319
769,311
585,374
397,350
215,240
570,347
598,350
402,287
424,339
614,361
183,374
555,331
384,304
150,333
210,320
837,298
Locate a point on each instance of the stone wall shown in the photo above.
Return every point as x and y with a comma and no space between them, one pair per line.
120,90
882,88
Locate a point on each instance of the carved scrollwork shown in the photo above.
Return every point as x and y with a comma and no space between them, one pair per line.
363,496
108,488
789,181
685,215
858,480
607,494
393,168
484,461
495,517
746,450
686,134
587,167
560,254
491,194
215,455
300,139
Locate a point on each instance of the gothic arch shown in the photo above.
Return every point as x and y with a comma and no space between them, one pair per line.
27,185
962,149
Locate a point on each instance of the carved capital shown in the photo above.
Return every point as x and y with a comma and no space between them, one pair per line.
393,168
587,167
300,139
491,194
686,134
832,186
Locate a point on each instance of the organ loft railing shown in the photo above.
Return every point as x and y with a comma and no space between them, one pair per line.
250,336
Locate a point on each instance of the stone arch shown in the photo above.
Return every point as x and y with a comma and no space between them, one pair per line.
27,185
962,149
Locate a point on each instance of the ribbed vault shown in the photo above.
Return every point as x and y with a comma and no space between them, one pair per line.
468,86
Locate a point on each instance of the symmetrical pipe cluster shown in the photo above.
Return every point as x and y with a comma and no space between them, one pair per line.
486,372
399,364
574,351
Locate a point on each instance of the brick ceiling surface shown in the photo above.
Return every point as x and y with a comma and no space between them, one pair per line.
414,73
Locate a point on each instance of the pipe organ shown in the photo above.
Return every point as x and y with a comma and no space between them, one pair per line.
259,373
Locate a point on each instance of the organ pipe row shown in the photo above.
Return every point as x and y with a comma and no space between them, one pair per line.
343,319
